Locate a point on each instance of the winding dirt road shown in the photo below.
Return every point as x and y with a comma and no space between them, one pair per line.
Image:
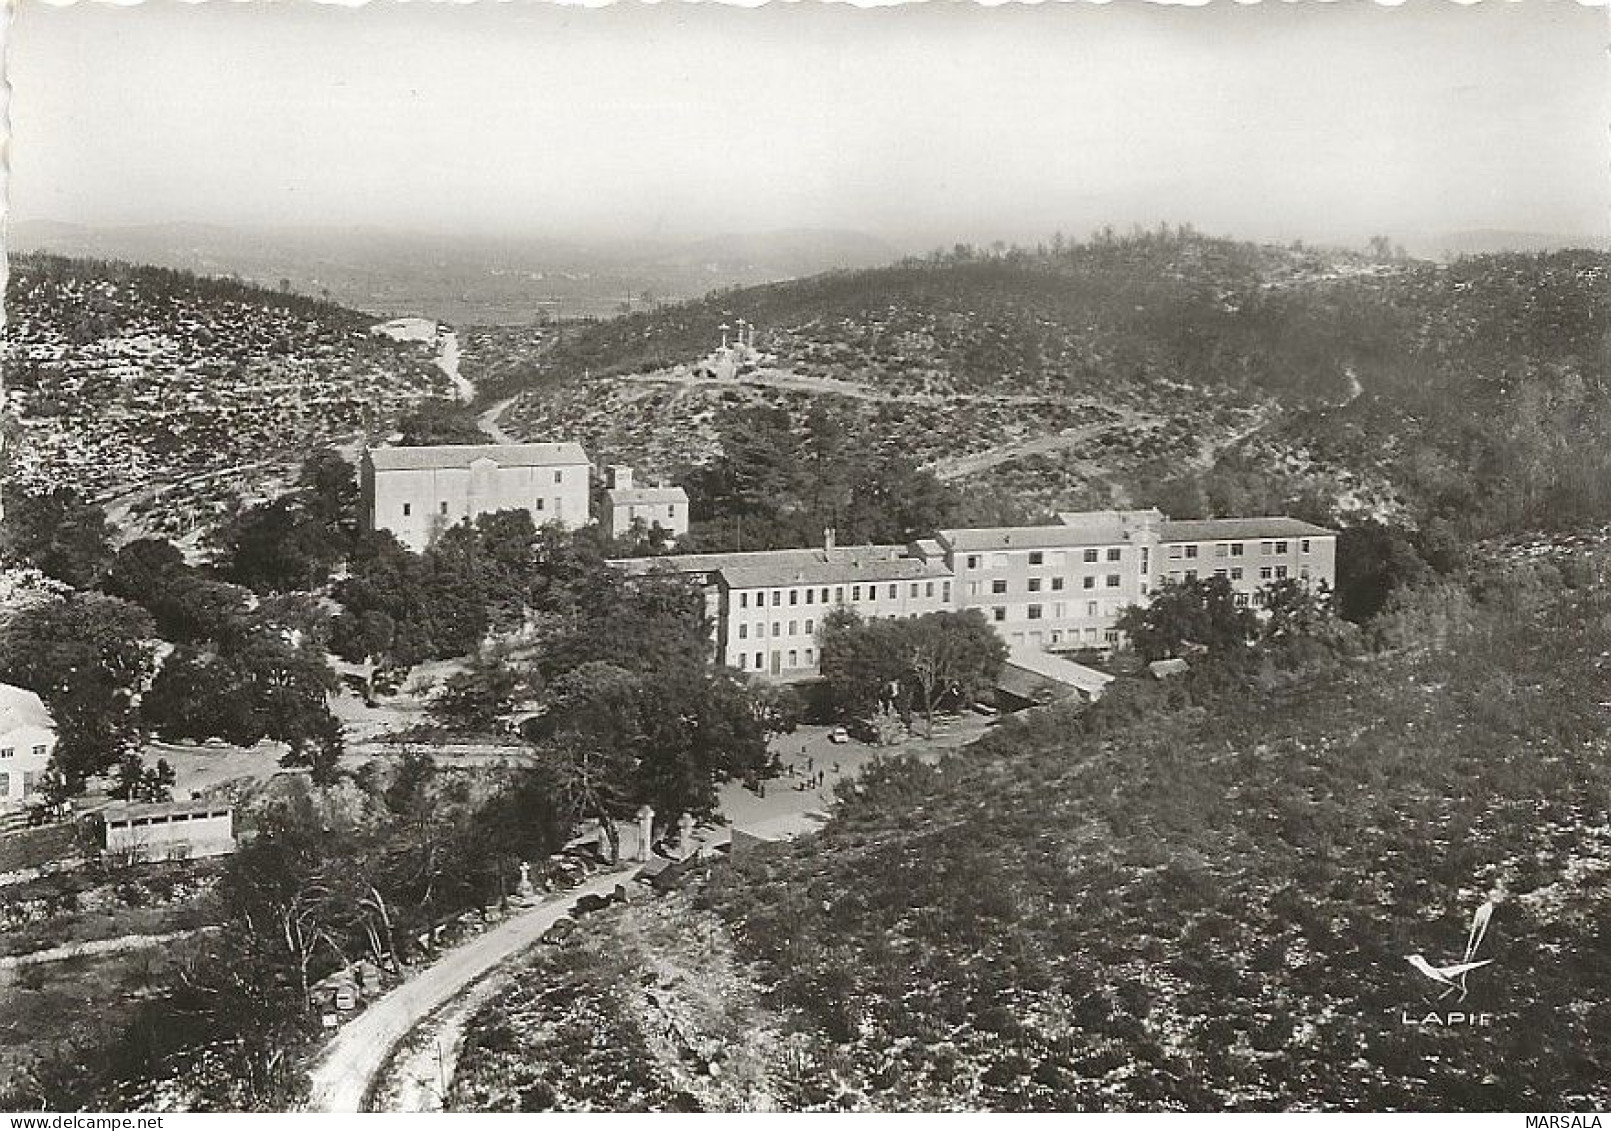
342,1078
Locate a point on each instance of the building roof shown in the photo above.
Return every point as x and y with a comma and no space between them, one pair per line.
837,568
1058,670
20,708
129,810
1269,526
629,496
1093,533
712,563
463,455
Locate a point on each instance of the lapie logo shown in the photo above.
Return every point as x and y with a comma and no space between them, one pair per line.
1450,979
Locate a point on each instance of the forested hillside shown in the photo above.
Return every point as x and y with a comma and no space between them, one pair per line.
1201,374
1200,895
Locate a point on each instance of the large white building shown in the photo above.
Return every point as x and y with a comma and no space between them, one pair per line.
1055,588
27,740
416,493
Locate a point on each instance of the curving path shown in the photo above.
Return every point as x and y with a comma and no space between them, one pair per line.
344,1074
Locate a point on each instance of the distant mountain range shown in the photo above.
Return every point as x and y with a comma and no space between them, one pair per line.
467,279
1487,241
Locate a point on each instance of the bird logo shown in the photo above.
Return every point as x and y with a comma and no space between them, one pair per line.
1452,978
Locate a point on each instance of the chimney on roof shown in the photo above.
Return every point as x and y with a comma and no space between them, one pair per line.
620,477
827,538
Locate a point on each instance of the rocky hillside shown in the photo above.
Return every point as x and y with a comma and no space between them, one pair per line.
169,392
1195,897
1271,378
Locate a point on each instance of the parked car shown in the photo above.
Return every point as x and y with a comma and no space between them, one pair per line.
839,736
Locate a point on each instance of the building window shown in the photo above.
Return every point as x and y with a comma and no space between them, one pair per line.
892,589
1236,573
1303,572
1303,544
1191,575
39,751
1034,585
794,627
408,509
444,506
8,752
945,592
1115,553
759,663
998,586
1241,600
811,596
1236,549
1191,552
1034,612
1219,573
1174,551
741,659
824,594
1282,547
973,588
1089,581
1280,572
838,594
1264,573
1221,550
794,658
973,561
855,592
811,627
539,504
559,477
1266,548
928,589
914,589
1111,636
1090,555
1036,557
777,628
1113,581
743,632
777,597
1091,608
1057,584
743,600
794,596
999,612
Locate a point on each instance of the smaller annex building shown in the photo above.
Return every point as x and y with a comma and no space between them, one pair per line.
27,741
168,830
417,493
626,503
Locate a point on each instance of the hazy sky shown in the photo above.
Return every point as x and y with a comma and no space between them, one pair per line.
916,123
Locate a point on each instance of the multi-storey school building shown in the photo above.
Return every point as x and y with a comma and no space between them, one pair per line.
1059,587
416,493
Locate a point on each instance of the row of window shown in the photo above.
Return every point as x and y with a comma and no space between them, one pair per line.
810,595
443,506
1036,612
11,751
759,662
1235,573
777,629
1038,557
1273,547
1070,636
1038,584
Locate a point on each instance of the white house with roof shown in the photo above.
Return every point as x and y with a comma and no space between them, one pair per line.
626,503
416,493
27,740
